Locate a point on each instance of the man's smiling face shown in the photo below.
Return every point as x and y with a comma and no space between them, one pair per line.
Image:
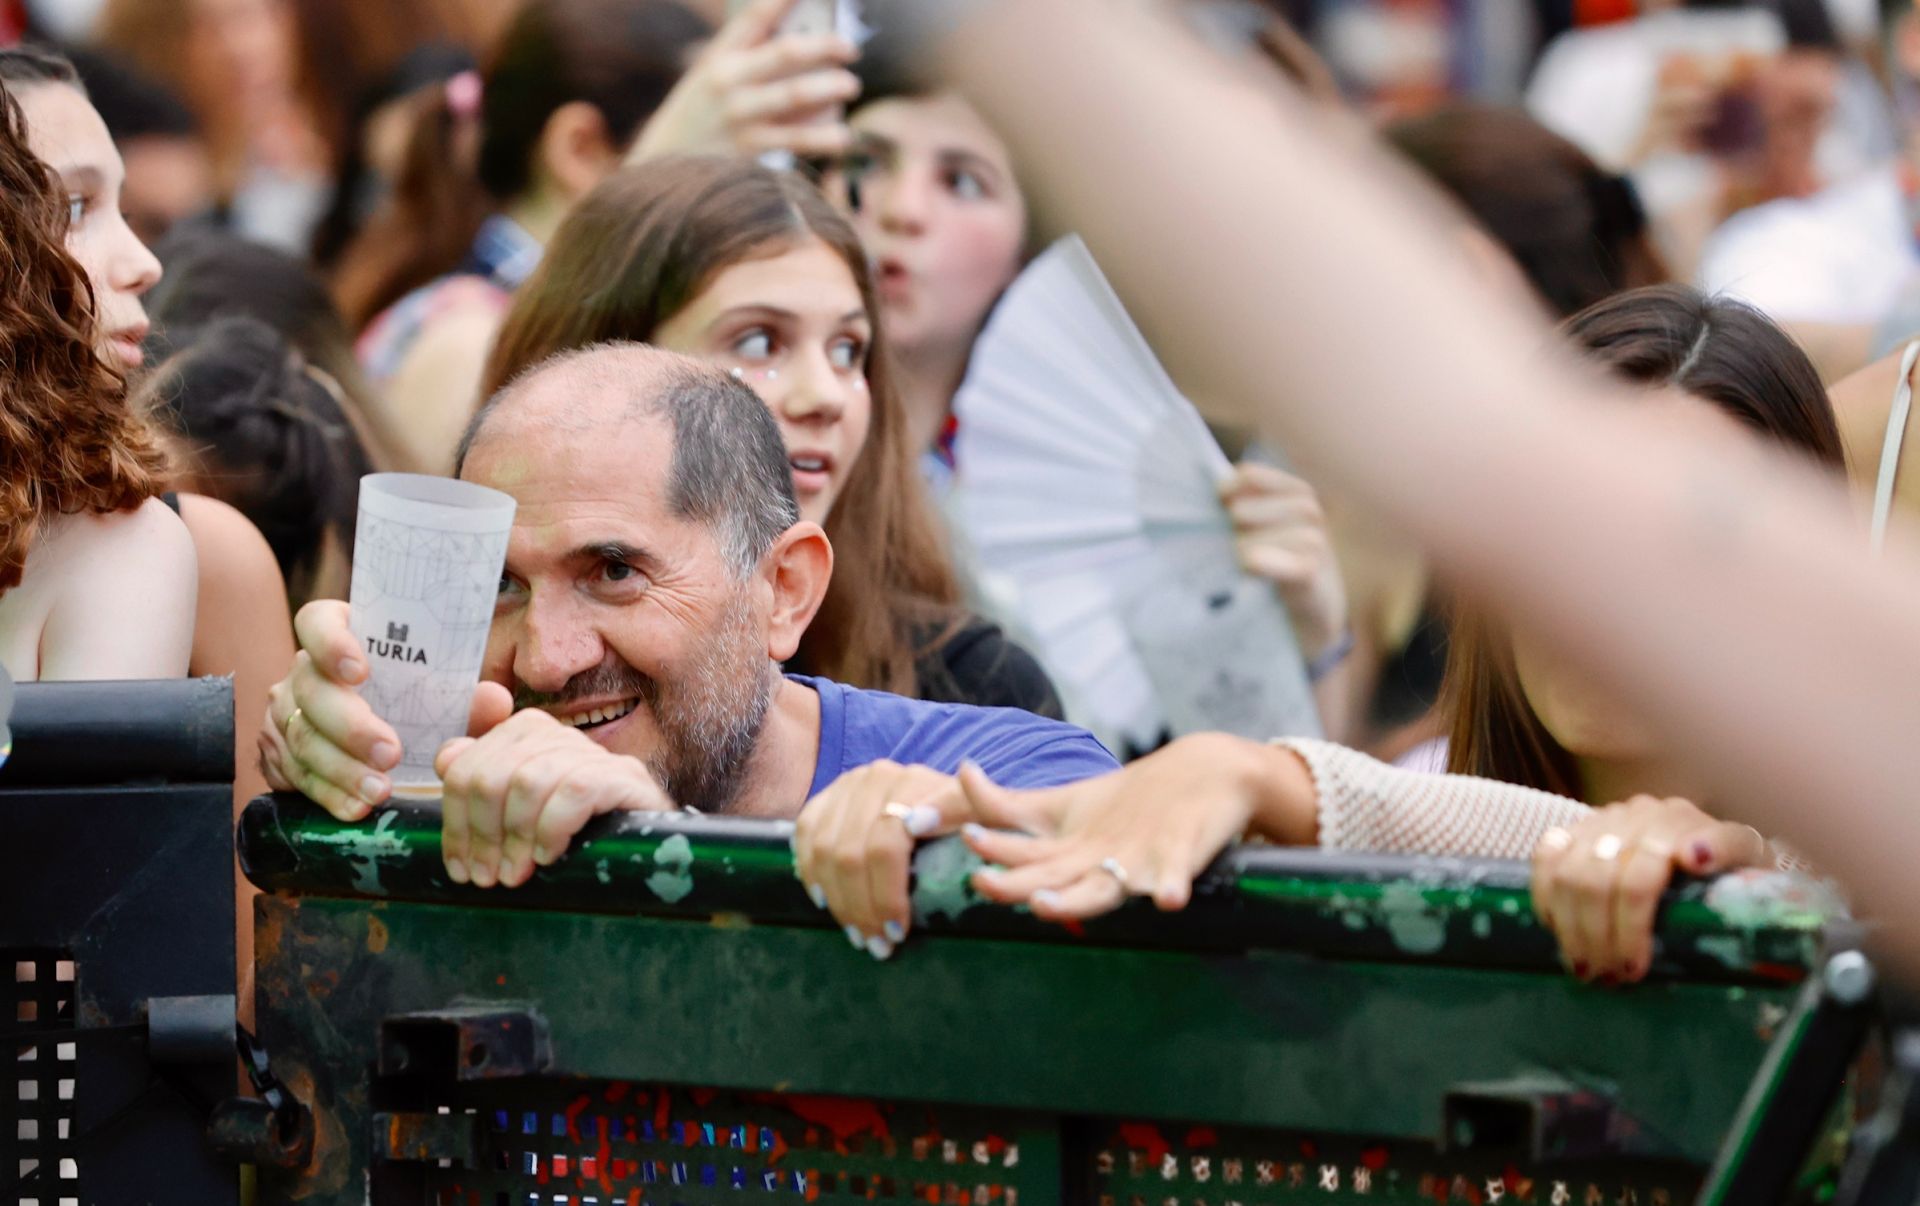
616,614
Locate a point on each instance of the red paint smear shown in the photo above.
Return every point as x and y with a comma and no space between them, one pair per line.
1202,1137
813,1185
1373,1158
617,1091
605,1153
1146,1137
933,1194
1072,926
702,1097
845,1117
663,1112
1782,972
500,980
1516,1183
634,1195
779,1149
574,1111
995,1144
1308,1150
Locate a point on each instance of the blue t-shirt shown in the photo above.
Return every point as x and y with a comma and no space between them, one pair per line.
1015,748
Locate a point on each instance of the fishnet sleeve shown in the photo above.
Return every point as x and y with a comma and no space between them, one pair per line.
1367,805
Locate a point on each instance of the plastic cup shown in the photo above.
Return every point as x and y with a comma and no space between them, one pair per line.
427,556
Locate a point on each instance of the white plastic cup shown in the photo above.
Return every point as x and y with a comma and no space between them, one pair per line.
427,556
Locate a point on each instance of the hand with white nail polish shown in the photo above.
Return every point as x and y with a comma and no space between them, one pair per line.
853,846
1145,830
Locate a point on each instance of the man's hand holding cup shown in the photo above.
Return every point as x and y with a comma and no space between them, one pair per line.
321,738
514,792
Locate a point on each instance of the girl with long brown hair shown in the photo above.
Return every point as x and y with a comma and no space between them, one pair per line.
497,158
754,270
97,577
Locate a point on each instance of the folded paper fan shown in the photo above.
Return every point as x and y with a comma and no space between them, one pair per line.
1087,498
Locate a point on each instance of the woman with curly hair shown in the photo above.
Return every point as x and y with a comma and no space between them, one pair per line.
211,590
98,576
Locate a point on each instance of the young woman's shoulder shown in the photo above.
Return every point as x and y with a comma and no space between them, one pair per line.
89,546
120,591
230,547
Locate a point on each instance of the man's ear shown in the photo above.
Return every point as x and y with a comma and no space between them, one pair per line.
797,569
575,150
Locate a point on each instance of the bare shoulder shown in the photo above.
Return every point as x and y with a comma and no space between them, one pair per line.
150,532
1861,403
232,551
440,378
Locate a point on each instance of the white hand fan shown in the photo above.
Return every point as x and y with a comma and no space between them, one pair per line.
1086,494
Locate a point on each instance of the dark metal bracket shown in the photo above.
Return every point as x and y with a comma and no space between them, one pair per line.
463,1042
273,1129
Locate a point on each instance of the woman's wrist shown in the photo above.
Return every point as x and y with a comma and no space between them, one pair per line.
1286,803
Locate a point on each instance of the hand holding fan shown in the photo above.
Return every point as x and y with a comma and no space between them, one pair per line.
1087,494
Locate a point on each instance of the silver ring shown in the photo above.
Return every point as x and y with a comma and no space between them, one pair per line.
1607,847
1112,867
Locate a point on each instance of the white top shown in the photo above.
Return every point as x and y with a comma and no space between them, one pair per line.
1890,445
1595,87
1839,256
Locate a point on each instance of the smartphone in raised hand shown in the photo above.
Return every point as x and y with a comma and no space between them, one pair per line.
808,17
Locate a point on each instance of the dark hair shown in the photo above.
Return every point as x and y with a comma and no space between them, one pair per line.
261,431
641,246
730,467
1577,231
1722,351
131,103
29,64
69,444
620,56
1808,25
211,275
356,193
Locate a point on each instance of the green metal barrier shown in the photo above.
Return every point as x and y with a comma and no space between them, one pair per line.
663,1017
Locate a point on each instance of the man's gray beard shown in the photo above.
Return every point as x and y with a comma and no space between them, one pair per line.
710,723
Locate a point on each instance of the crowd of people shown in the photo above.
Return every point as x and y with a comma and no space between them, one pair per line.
1589,519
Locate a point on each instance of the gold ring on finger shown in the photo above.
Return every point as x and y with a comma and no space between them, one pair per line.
1556,839
1608,847
1112,867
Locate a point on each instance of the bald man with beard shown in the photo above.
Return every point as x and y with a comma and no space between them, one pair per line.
657,575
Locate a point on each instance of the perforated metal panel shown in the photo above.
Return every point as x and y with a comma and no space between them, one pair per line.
38,1164
600,1143
1144,1164
612,1144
